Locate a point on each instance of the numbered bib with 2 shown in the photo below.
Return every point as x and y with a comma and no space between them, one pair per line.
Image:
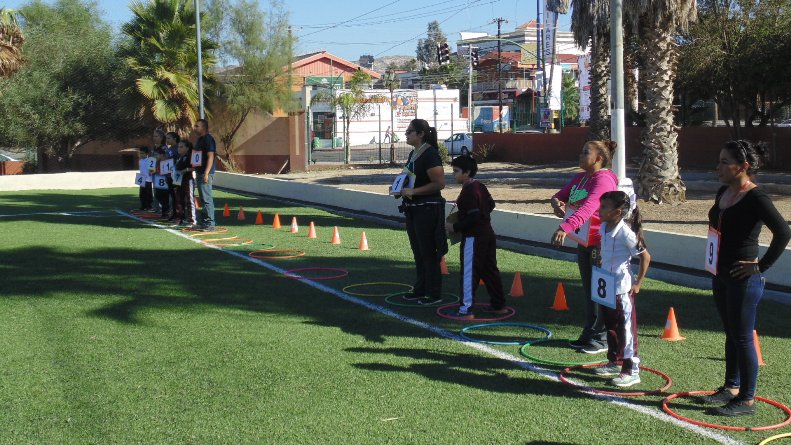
603,287
712,250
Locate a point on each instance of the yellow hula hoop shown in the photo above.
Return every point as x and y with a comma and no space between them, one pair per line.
212,240
773,438
217,231
375,283
245,242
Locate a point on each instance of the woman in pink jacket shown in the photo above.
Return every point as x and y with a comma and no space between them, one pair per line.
578,204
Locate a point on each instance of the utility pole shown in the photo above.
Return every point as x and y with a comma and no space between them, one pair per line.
499,21
200,57
470,108
618,118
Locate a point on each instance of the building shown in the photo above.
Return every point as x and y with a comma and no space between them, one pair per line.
324,70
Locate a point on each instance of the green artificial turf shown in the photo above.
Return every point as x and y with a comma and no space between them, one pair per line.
115,331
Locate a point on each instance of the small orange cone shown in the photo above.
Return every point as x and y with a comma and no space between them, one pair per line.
757,343
443,266
312,231
276,222
240,216
336,237
560,299
363,242
671,328
259,219
516,287
226,210
294,226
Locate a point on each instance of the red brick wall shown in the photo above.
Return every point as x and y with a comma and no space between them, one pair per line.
699,147
11,167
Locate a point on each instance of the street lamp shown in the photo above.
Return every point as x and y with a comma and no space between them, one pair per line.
390,84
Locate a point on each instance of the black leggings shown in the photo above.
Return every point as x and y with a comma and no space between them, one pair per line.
422,226
594,328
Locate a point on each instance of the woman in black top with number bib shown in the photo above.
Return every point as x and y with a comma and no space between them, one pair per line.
735,221
424,210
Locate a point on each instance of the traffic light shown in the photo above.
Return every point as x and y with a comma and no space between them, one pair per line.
443,53
474,58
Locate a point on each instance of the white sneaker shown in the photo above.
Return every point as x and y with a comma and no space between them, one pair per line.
626,380
610,369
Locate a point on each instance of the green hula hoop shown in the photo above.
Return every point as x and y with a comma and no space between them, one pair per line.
375,283
389,299
523,351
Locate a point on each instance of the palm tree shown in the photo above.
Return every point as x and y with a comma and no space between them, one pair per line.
11,41
590,23
162,52
658,179
353,104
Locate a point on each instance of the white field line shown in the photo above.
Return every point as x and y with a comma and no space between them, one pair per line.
88,213
517,361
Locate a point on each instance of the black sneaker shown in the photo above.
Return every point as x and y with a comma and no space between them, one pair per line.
496,311
721,396
594,348
579,343
207,229
429,301
732,409
411,296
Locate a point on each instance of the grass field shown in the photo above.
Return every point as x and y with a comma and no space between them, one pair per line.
116,331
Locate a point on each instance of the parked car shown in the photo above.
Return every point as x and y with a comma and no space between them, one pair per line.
4,158
785,123
459,144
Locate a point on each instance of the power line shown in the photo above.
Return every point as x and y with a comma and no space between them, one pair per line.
324,25
353,18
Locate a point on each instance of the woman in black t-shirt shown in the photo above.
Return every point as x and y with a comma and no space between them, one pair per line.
735,221
424,209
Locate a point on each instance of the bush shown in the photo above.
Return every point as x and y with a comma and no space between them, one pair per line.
483,152
443,153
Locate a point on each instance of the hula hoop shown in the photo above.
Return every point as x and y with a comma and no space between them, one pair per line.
292,273
245,242
441,313
211,240
779,405
296,253
463,333
773,438
527,344
216,231
268,246
373,283
389,299
147,215
667,378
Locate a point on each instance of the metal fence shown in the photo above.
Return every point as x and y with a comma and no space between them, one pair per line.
377,153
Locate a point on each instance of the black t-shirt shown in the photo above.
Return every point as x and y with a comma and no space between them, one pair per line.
206,144
741,226
429,159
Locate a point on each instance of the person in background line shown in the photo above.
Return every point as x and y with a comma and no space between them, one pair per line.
146,193
185,192
205,173
172,152
740,209
578,204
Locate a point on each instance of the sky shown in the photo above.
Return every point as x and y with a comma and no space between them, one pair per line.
350,29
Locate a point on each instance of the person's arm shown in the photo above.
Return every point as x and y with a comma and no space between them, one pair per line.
436,175
781,235
470,219
598,186
645,260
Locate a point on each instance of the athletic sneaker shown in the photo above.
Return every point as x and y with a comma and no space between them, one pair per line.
428,301
608,370
207,229
732,409
491,310
721,396
463,315
626,380
579,343
594,347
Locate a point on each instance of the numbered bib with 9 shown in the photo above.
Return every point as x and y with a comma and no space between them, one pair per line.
712,250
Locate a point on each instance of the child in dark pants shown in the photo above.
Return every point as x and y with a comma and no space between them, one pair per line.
478,242
146,193
185,192
162,195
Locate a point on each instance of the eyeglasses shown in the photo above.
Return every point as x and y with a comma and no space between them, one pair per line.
409,131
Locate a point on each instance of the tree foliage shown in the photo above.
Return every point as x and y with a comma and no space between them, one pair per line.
11,41
738,54
161,49
72,90
259,42
426,51
571,99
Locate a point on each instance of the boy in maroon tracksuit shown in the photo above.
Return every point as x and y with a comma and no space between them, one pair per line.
478,242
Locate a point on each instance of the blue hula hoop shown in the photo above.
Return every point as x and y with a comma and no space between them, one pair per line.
463,333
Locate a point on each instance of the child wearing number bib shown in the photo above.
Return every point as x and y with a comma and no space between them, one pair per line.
613,289
146,193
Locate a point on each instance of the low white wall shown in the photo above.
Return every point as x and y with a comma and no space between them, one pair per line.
670,248
68,181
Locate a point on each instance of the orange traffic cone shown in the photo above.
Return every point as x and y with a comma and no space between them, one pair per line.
312,231
259,219
363,242
240,216
276,222
671,328
443,266
336,237
560,299
226,211
757,343
294,226
516,287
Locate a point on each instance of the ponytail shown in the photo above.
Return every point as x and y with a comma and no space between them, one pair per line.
637,227
429,132
623,201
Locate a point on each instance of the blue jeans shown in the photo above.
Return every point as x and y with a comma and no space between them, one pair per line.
737,303
206,200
